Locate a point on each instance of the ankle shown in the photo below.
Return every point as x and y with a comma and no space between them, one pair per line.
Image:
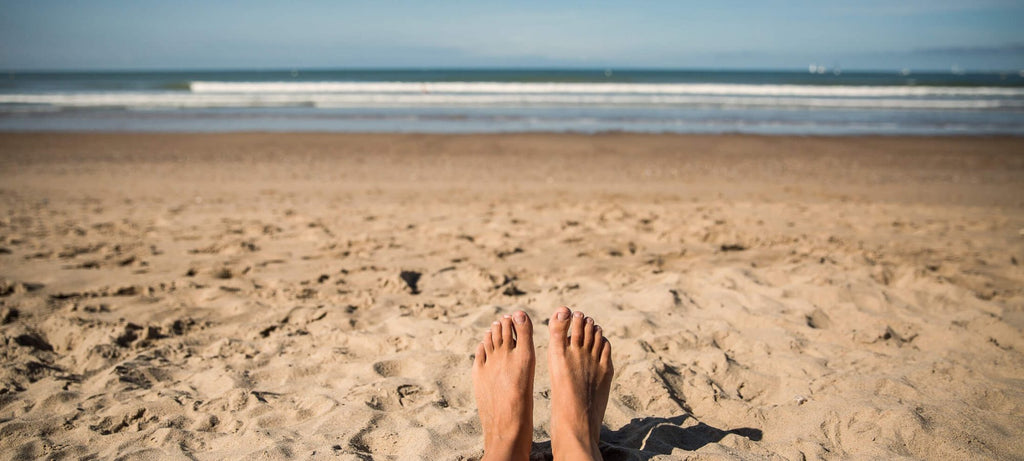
512,448
574,447
505,455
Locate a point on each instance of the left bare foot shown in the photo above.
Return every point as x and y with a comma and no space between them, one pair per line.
503,386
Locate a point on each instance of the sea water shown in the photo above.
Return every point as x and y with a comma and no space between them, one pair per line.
482,101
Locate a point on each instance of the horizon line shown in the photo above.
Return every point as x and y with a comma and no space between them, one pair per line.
830,70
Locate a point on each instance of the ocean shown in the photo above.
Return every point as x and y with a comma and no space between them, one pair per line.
818,101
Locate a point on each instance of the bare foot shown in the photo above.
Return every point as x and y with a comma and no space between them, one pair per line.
581,378
503,385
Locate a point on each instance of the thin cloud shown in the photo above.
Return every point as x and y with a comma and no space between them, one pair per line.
1014,49
922,7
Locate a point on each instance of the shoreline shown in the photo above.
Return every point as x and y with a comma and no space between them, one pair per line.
508,133
938,170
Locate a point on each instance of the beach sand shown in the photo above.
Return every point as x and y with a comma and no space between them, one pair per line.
319,296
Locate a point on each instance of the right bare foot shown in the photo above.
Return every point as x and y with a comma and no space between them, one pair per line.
503,386
580,359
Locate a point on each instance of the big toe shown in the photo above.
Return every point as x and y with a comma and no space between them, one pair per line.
558,326
524,331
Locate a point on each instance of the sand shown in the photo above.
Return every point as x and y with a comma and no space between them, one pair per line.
318,296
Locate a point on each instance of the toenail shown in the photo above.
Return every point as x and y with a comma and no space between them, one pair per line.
506,316
496,323
520,317
590,321
561,315
577,314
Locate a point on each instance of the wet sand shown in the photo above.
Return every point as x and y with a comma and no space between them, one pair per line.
319,295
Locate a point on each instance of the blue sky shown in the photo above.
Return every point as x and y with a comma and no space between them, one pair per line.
187,34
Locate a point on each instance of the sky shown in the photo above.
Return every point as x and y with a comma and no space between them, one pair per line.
301,34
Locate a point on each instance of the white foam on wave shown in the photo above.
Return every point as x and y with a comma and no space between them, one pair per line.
600,88
170,100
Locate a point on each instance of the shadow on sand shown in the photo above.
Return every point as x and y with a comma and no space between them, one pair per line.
644,438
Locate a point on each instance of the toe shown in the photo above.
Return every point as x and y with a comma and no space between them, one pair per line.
481,355
588,334
524,331
576,329
598,341
506,333
496,334
558,326
606,354
488,342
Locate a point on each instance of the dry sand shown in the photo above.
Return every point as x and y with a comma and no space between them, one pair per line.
241,295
